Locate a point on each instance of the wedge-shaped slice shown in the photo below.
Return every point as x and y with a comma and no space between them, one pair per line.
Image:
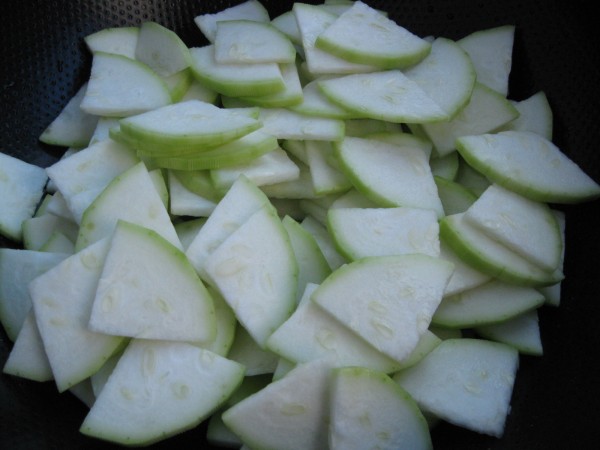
526,227
311,333
521,332
17,268
361,232
72,127
535,115
553,292
175,306
242,200
119,40
446,74
243,150
326,176
486,111
454,196
235,80
369,410
444,166
37,230
287,414
248,10
490,303
324,240
120,86
226,325
387,300
467,382
285,124
27,359
290,95
491,52
251,42
529,164
21,189
365,36
312,20
161,49
388,96
184,202
464,276
388,174
312,265
256,272
83,176
488,256
187,382
315,103
256,360
272,167
187,127
132,197
286,23
62,300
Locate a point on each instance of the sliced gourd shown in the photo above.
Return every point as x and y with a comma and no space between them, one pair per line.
161,49
248,10
117,40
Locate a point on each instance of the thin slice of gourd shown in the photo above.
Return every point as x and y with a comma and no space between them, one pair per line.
467,382
446,74
491,52
524,226
226,325
312,20
248,10
311,333
521,332
188,383
287,414
486,111
27,358
388,174
272,167
286,23
365,36
290,95
492,302
379,296
161,49
251,42
235,80
184,202
454,196
312,265
256,360
361,232
445,166
21,189
389,96
324,240
394,419
464,276
530,165
81,177
62,300
286,124
117,40
37,230
119,86
175,306
239,151
179,83
132,197
255,270
240,202
535,115
199,182
315,103
327,178
490,257
191,125
72,127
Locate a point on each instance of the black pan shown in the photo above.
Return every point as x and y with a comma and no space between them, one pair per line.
44,61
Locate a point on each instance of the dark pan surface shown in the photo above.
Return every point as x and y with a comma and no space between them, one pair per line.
44,62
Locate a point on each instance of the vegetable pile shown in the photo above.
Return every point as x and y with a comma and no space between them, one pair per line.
316,231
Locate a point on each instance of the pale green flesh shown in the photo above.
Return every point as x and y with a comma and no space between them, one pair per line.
378,296
247,10
369,409
541,172
119,40
492,302
491,258
161,49
467,382
521,332
187,382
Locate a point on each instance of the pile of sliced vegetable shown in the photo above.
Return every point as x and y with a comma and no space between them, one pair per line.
317,231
